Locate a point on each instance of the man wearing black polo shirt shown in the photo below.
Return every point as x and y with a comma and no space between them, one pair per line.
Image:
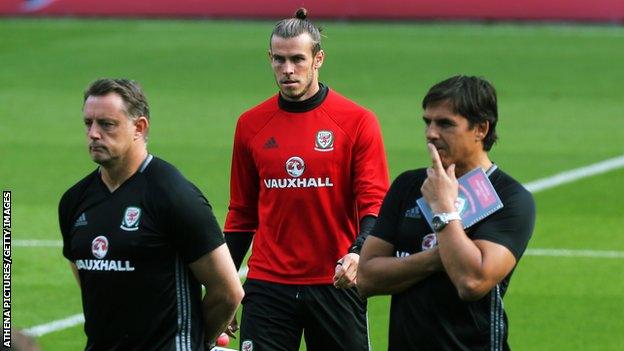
142,239
447,286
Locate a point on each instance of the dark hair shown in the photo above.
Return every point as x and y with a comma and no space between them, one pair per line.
471,97
130,92
295,26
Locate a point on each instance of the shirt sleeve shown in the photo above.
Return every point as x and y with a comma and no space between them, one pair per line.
370,168
243,209
191,223
65,225
387,225
512,226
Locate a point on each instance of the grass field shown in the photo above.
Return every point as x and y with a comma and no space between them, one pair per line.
561,106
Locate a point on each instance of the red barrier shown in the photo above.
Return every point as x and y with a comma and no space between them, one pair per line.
573,10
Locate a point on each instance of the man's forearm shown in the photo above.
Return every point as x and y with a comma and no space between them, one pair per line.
390,275
217,316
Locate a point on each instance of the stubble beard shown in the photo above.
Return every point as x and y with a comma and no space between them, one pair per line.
297,96
102,158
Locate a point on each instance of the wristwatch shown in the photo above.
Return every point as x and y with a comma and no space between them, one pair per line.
440,220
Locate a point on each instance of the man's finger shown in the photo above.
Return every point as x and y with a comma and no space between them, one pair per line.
451,171
430,172
435,158
339,272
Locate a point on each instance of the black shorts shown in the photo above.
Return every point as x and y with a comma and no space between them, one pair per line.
275,316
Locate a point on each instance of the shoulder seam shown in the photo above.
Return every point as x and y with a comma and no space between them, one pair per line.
263,127
363,111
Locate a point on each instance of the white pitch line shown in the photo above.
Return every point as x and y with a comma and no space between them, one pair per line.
575,253
534,186
37,243
242,272
74,320
575,174
56,325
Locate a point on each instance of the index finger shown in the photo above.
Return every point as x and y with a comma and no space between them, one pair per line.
435,158
339,272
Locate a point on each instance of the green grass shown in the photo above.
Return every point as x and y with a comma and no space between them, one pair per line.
560,96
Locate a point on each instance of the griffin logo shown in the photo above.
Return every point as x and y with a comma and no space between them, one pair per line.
99,247
295,166
247,345
130,221
429,241
324,141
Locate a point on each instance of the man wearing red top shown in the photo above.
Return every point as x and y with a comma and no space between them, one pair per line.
309,174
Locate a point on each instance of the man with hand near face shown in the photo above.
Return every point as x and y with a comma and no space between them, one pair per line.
308,176
447,286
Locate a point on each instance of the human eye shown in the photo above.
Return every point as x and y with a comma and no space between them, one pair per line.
445,123
106,124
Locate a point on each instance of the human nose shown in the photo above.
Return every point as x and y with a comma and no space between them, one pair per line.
93,131
431,132
288,68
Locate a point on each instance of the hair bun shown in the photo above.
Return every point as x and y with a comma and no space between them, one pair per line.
301,13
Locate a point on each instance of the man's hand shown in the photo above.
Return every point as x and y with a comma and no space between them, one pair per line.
346,271
441,188
232,328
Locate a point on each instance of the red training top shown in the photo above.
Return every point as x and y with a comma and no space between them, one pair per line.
302,181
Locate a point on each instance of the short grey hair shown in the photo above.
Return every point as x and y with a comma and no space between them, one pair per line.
130,92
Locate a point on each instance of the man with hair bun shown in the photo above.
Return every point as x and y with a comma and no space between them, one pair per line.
309,174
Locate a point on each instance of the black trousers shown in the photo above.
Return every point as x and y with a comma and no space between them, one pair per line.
276,315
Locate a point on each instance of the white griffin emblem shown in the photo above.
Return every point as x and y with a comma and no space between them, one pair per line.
324,140
295,166
99,246
429,241
130,221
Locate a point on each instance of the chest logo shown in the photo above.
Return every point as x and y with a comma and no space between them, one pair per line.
82,220
413,212
99,247
324,141
429,241
295,166
130,221
270,143
247,345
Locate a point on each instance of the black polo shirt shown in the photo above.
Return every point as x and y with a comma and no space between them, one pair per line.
430,315
132,248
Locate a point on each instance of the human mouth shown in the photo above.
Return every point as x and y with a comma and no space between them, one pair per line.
437,147
94,148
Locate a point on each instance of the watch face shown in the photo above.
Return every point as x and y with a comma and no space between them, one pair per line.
438,223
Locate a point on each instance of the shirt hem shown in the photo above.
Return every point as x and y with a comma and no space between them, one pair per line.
291,280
